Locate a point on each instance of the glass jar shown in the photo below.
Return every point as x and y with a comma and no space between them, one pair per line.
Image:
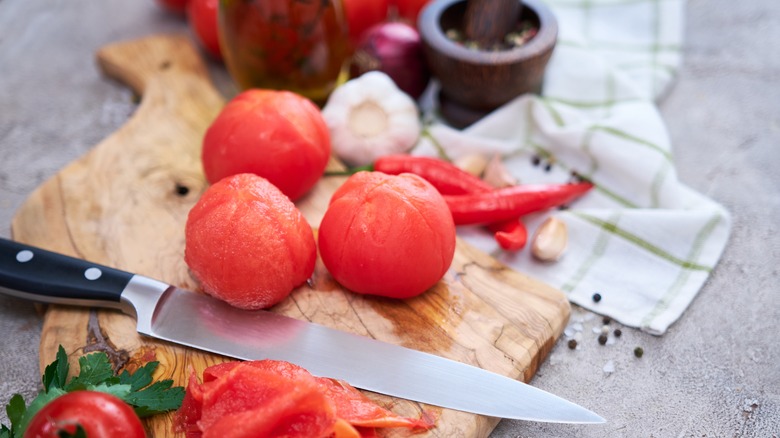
296,45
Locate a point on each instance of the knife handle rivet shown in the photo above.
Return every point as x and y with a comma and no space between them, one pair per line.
93,273
24,256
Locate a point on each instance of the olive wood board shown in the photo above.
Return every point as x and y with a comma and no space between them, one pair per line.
125,202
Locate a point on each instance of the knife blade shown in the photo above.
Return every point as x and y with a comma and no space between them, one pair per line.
199,321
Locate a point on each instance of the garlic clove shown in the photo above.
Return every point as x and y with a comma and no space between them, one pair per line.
472,163
550,240
496,173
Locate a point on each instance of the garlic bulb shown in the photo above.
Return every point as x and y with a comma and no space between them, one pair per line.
370,117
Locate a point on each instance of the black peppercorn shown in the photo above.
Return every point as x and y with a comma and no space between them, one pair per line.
548,167
602,339
596,297
572,344
606,320
182,190
638,351
535,160
618,333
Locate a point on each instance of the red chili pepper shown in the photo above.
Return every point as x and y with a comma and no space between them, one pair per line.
511,235
449,179
511,202
445,176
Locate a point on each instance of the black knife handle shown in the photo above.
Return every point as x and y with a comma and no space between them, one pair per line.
39,275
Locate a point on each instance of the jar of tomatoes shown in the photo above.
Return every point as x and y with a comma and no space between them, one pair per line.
296,45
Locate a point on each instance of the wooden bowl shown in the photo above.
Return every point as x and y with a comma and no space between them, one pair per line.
474,82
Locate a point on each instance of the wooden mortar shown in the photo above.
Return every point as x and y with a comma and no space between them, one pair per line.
488,21
473,81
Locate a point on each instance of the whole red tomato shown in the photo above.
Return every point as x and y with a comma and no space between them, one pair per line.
98,413
278,135
363,14
175,6
246,223
388,235
202,18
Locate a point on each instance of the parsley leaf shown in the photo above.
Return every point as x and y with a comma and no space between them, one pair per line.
15,411
93,369
120,391
157,398
140,378
56,372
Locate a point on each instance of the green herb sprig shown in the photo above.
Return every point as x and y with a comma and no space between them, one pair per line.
95,374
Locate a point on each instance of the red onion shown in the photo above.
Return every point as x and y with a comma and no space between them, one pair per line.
393,48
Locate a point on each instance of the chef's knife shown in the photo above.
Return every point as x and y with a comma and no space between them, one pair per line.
200,321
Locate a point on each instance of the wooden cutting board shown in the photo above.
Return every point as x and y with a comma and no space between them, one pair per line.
124,204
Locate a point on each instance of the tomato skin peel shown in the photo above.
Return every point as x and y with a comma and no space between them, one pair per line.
268,398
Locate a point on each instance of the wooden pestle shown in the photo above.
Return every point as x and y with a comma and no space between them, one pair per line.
488,21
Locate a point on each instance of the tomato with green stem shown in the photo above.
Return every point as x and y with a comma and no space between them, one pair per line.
98,414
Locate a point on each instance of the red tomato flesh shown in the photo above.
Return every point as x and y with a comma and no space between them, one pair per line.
360,411
270,398
252,401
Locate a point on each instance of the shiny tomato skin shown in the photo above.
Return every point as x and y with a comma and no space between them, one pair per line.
364,14
278,135
387,235
202,19
409,10
175,6
98,413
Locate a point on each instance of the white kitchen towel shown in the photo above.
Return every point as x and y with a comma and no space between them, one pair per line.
641,239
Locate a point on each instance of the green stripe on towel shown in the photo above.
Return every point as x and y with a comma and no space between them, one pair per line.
682,278
598,250
644,244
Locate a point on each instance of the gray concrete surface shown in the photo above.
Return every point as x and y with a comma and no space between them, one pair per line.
716,373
